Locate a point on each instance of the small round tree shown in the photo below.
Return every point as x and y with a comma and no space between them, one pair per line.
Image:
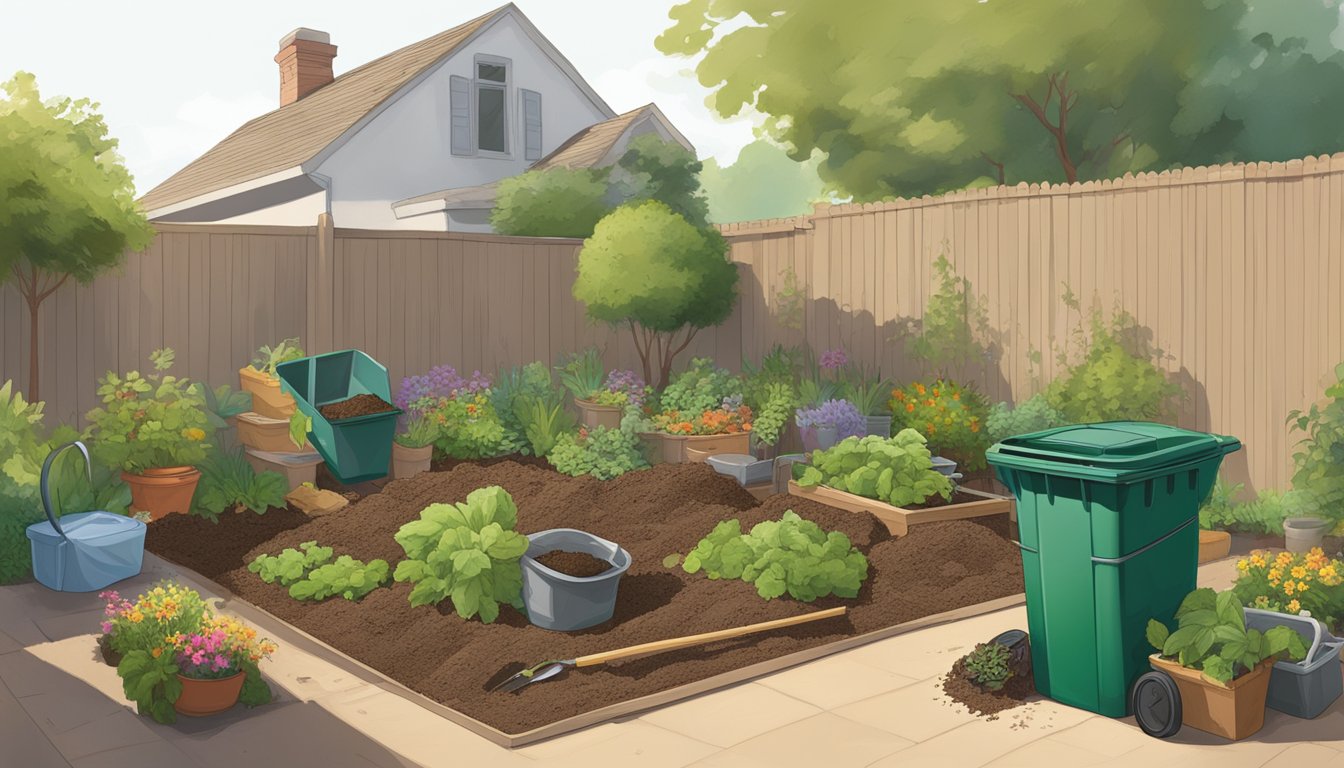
557,202
650,269
67,204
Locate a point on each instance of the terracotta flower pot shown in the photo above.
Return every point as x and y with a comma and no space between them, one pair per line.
410,461
208,697
163,490
696,448
1233,711
268,399
592,415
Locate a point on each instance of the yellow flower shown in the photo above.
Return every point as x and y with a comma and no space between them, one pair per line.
1301,586
1287,587
193,433
1242,565
1258,560
1275,574
137,617
1294,606
1284,558
1262,602
1299,572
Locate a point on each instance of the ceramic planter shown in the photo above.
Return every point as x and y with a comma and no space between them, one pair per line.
201,698
899,519
1300,534
162,491
410,461
263,433
592,415
298,468
267,397
567,603
880,425
682,449
1233,711
1214,545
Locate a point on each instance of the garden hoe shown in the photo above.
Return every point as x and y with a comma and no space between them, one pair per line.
548,669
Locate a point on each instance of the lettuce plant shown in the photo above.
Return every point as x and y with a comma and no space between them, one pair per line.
269,357
290,565
989,666
347,577
898,470
468,552
601,452
790,555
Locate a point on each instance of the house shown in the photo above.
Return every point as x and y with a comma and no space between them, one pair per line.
416,139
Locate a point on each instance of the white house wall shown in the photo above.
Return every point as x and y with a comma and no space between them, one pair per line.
301,212
405,152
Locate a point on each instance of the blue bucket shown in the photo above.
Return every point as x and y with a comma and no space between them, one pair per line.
87,551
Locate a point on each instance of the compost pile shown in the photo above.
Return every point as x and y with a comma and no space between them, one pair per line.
652,513
359,405
578,564
1014,693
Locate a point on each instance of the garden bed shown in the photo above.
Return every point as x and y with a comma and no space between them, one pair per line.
939,567
965,504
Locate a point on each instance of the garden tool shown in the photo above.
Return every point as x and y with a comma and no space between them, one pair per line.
548,669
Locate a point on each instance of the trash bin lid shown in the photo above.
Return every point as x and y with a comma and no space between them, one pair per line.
1117,445
87,527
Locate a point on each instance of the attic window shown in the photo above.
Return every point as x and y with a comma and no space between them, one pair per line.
490,97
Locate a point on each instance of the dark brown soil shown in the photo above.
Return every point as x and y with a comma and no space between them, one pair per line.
448,462
359,405
981,702
211,549
652,513
110,657
580,565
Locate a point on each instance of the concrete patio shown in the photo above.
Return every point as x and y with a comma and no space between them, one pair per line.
879,705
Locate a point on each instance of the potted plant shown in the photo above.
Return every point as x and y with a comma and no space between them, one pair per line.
703,414
868,393
1220,667
259,379
950,416
822,426
582,374
413,447
154,428
777,403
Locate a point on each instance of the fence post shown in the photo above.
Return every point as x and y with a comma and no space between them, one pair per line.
321,316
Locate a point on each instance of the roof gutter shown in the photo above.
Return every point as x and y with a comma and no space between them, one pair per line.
227,192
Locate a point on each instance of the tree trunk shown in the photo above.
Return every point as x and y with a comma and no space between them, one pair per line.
34,293
33,305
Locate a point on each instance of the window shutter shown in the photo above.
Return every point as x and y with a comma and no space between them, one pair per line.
532,125
459,89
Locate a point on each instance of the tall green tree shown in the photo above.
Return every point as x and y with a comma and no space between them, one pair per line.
646,267
556,202
763,183
67,203
922,96
654,169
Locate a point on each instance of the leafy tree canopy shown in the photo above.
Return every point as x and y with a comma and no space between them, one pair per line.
921,96
68,205
558,202
764,183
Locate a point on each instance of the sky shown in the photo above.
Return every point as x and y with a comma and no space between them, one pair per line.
174,78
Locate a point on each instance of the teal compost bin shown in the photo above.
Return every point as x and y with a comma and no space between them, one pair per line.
355,449
1107,514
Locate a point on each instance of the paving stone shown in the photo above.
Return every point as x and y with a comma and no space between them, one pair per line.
732,715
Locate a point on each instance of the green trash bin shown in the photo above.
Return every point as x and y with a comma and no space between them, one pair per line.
1108,519
355,449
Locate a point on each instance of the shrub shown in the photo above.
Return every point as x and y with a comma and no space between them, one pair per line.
1319,459
601,452
701,387
950,416
1211,636
150,421
1034,415
898,470
468,552
555,202
544,421
790,555
841,414
1113,375
954,323
228,481
1222,511
779,366
468,426
776,405
512,387
1290,583
989,666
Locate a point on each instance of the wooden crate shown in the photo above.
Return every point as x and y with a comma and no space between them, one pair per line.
898,519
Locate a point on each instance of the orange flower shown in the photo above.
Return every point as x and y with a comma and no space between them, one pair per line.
919,388
900,394
746,427
909,407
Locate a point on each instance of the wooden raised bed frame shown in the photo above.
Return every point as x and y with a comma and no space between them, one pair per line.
898,519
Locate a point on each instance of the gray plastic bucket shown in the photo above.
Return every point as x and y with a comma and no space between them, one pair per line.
567,603
1302,688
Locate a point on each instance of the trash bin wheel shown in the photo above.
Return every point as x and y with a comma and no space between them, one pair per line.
1156,704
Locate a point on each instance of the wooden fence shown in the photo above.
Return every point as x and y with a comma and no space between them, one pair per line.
1233,270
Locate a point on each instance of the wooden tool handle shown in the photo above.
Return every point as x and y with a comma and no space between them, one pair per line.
659,646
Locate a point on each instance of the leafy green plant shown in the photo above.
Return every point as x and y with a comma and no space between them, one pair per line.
1265,514
1112,373
468,552
350,578
300,424
1318,462
897,470
701,387
790,299
601,452
151,682
582,373
951,416
1033,415
468,426
291,565
228,481
954,325
1211,636
544,421
268,358
780,365
418,432
223,403
777,406
867,390
512,387
790,555
158,420
989,666
555,202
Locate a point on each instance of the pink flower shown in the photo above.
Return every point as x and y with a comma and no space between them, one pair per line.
107,627
832,359
221,662
198,658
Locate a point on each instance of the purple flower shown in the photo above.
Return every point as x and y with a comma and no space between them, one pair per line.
834,359
441,381
841,414
629,382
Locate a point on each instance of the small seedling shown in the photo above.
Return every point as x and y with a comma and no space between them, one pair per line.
988,666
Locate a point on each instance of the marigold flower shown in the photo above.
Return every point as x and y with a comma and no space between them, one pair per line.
1287,587
1243,565
1298,572
157,652
1294,606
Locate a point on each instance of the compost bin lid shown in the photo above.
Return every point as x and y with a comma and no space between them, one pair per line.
84,527
1117,445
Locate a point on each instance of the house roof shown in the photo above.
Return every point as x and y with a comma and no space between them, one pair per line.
298,133
590,146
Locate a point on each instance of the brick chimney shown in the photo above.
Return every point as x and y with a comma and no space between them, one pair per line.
305,63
